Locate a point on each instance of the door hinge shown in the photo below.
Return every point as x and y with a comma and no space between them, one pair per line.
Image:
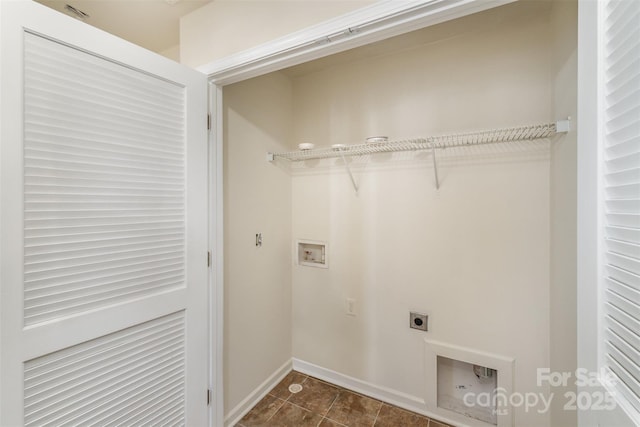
208,121
209,397
209,259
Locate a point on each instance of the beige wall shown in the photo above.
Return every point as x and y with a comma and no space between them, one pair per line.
172,53
257,199
563,333
224,27
474,255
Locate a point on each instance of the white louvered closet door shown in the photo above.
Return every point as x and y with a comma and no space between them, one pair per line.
620,344
103,302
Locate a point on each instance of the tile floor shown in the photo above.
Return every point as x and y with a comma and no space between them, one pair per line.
321,404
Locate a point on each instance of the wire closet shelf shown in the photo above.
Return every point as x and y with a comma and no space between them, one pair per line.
494,136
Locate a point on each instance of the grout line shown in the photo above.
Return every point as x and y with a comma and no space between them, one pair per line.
323,381
290,394
327,383
378,414
307,410
331,406
304,375
332,421
277,410
301,407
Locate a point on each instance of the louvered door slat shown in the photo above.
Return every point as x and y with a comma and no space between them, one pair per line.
53,131
623,248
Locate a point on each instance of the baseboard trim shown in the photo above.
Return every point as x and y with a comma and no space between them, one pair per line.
236,414
387,395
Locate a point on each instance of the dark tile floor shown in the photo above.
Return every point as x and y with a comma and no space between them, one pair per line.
321,404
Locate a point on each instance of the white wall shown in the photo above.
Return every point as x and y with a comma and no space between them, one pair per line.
257,199
563,320
224,27
473,255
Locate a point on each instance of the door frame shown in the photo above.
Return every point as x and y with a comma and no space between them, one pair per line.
216,267
376,22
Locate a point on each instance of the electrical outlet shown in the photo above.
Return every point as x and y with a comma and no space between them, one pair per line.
418,321
351,306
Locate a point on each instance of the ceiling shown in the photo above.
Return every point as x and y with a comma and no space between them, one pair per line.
152,24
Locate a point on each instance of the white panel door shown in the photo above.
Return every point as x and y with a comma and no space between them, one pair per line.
103,190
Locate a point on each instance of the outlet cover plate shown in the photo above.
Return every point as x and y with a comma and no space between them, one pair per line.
419,321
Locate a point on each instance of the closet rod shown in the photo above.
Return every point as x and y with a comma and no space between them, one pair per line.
494,136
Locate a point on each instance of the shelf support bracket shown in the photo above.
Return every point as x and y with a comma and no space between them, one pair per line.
563,126
346,165
435,166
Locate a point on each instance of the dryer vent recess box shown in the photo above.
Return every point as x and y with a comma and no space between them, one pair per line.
312,253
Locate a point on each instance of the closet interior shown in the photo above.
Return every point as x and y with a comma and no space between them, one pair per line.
452,216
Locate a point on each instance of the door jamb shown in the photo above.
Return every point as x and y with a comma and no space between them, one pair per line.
216,267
